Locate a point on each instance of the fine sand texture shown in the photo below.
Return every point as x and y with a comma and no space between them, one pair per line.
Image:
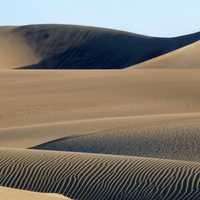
14,194
80,47
90,176
151,113
185,57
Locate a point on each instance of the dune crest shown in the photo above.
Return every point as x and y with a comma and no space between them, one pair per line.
186,57
80,47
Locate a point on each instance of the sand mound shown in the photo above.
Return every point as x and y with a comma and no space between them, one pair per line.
78,47
13,194
89,176
186,57
170,136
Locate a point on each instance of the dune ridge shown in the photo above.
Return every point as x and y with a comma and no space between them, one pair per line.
90,176
185,57
81,47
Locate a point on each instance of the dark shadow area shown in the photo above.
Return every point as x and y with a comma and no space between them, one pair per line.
79,47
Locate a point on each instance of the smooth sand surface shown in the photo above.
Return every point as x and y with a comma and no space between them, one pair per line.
152,113
31,98
93,176
14,194
14,51
185,57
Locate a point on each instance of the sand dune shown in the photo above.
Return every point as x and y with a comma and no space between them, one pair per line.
14,51
186,57
153,114
79,47
92,111
172,136
90,176
13,194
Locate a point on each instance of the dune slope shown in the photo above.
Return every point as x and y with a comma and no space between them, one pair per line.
13,194
89,176
167,136
79,47
186,57
156,109
14,50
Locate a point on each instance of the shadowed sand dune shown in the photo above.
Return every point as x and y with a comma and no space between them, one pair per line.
90,176
186,57
79,47
173,137
13,194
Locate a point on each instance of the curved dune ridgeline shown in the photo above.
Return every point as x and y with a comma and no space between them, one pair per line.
185,57
79,47
90,176
173,137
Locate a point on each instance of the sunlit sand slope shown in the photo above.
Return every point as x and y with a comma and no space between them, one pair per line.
186,57
14,51
89,176
37,97
152,113
13,194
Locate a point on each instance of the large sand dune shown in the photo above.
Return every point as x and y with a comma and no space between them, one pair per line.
79,47
185,57
89,176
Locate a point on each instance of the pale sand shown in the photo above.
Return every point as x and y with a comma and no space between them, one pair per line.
29,98
152,113
186,57
14,194
14,51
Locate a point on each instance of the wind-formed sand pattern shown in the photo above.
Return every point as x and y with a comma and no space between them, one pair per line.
89,176
129,130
